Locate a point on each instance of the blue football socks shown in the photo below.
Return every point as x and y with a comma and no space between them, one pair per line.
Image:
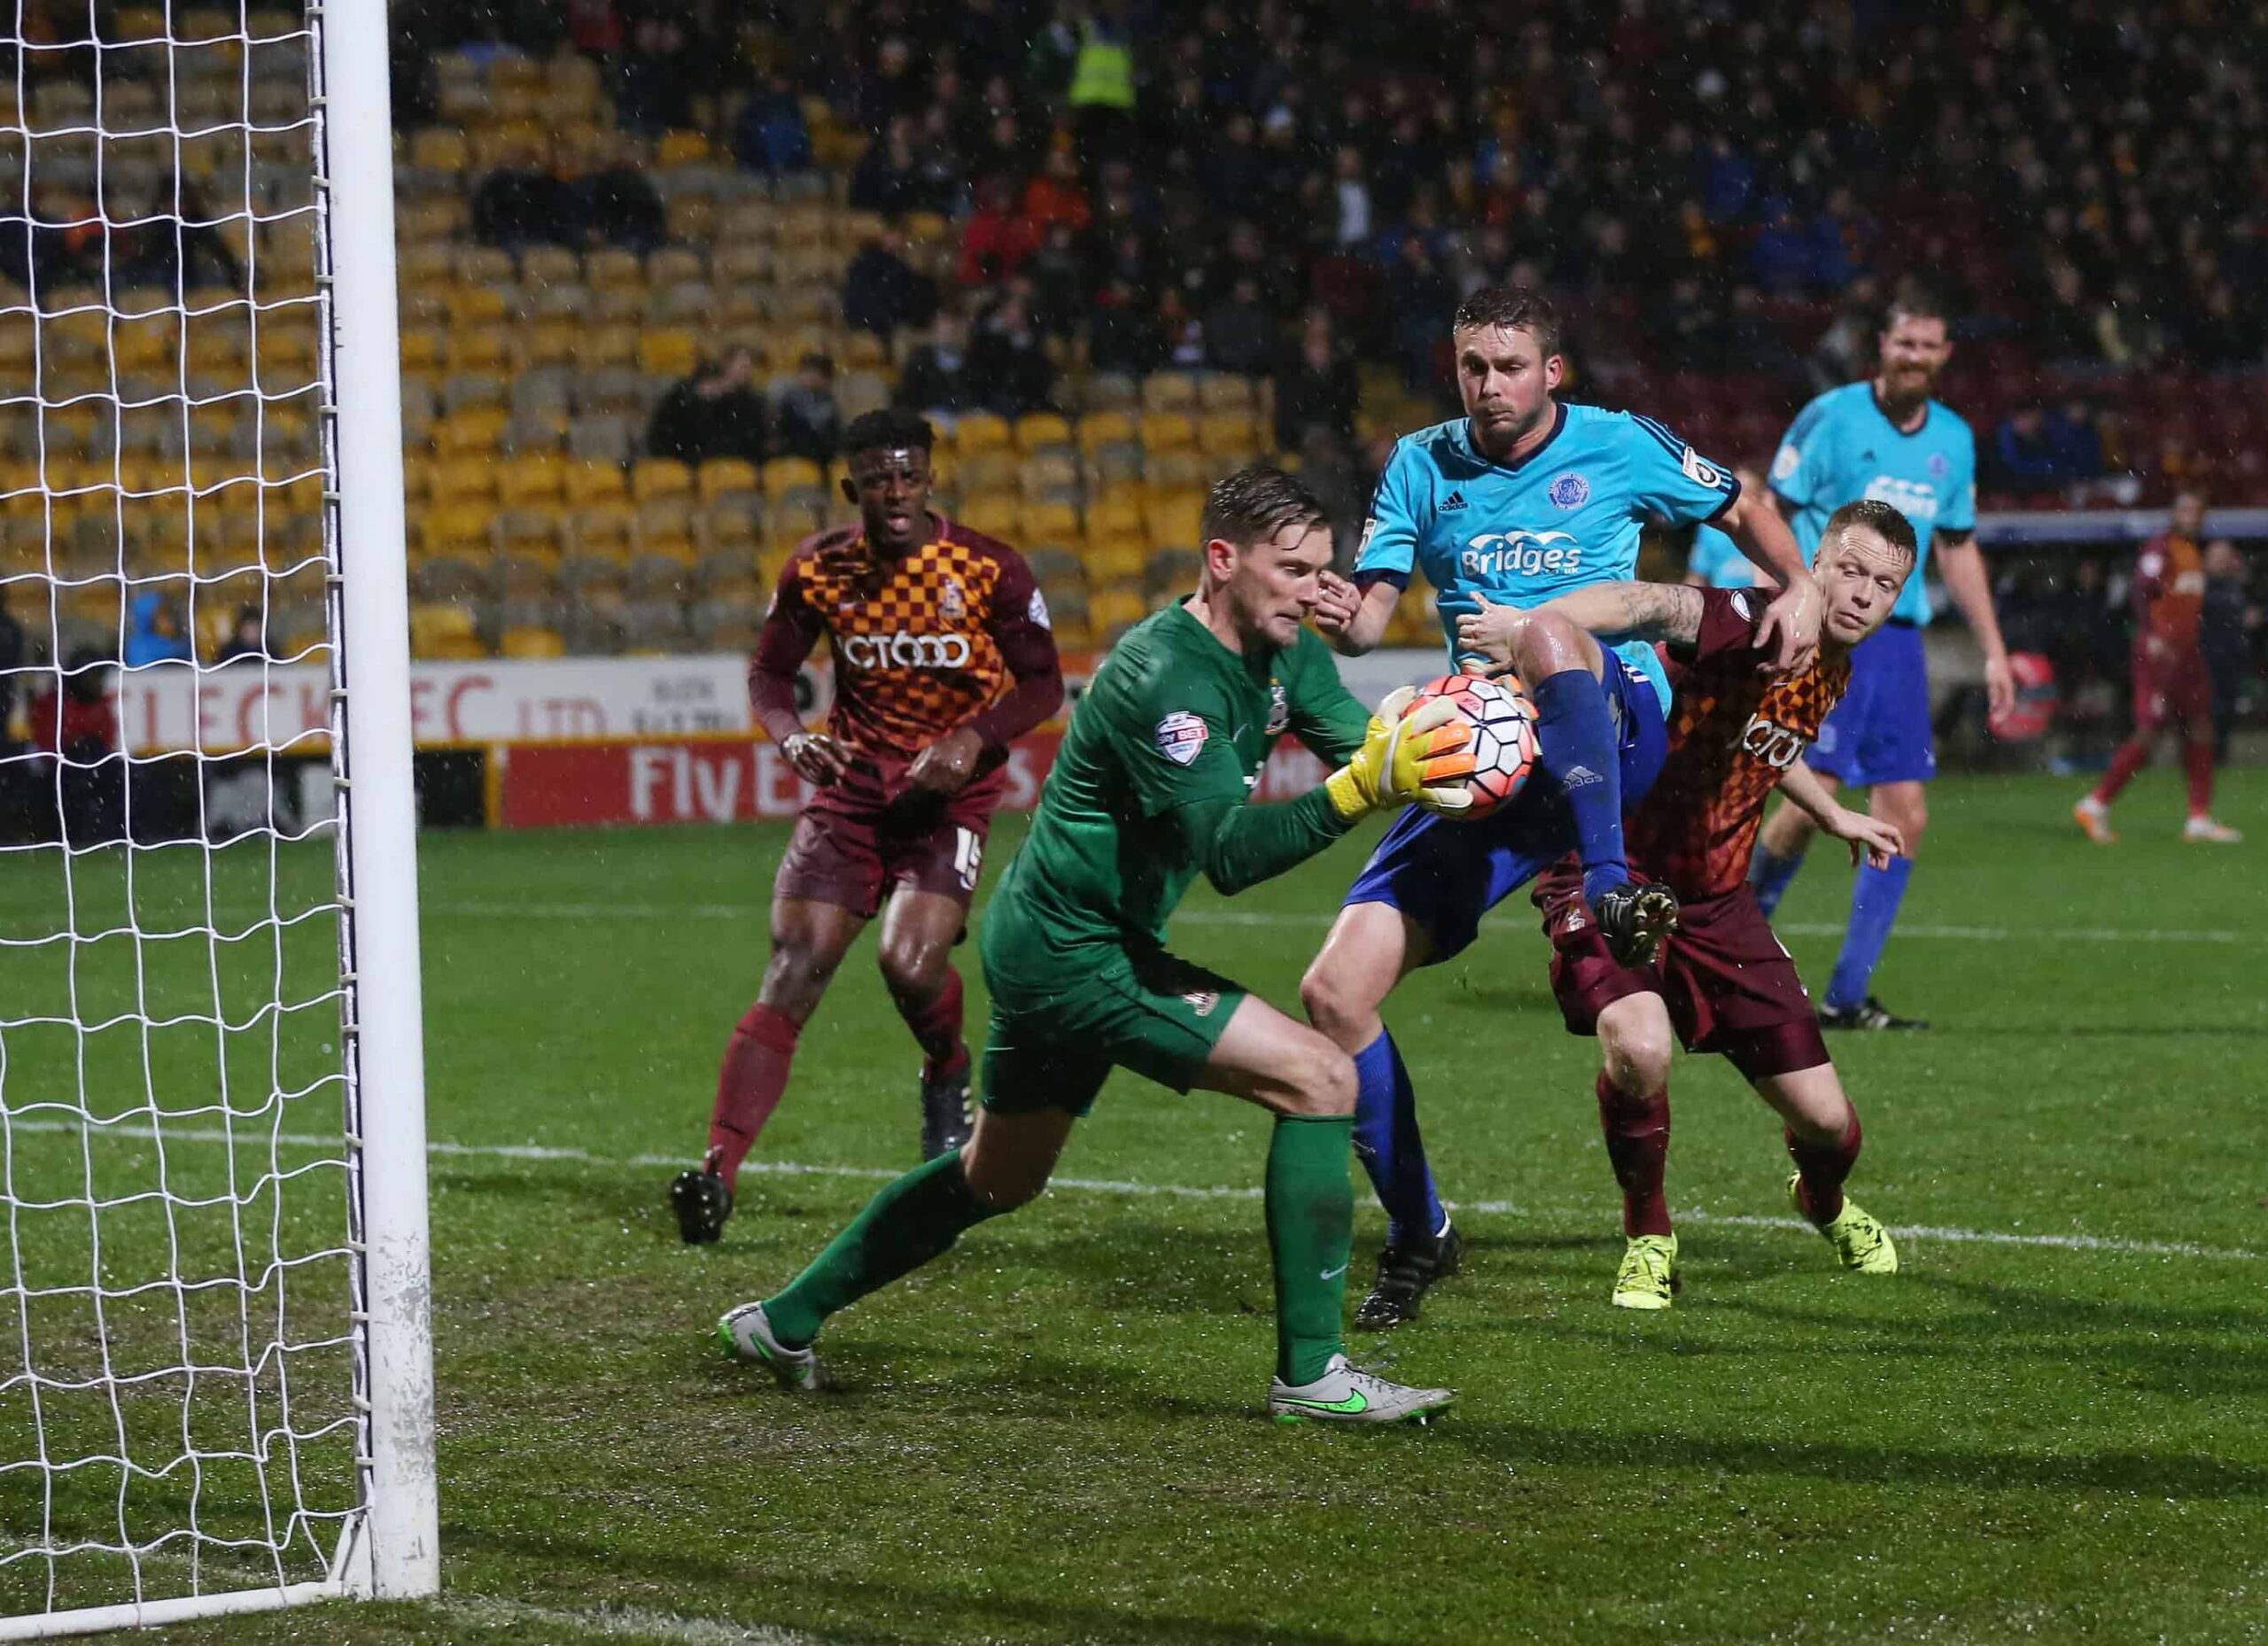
1577,746
1770,875
1874,911
1387,1143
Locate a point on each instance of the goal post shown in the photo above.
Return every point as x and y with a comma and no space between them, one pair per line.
216,1378
384,1035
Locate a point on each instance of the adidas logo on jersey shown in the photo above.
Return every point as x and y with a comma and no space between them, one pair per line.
1581,777
1454,499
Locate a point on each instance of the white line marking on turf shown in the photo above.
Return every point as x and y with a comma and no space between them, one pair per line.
1320,918
543,1154
630,1622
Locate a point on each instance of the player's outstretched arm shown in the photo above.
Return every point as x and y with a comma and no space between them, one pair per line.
1791,622
1960,564
1406,755
1354,620
1668,612
1869,837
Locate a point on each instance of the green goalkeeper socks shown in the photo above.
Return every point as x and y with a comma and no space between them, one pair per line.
913,1219
1310,1237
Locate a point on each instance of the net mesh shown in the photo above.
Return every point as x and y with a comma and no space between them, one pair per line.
180,1380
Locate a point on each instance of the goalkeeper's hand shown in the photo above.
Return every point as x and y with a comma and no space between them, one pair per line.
1405,755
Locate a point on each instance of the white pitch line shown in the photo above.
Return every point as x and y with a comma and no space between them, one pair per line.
1318,919
627,1622
546,1154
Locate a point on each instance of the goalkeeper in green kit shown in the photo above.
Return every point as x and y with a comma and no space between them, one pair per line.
1149,789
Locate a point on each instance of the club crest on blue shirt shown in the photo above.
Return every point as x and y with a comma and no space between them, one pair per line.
1570,491
1180,736
1941,465
1279,708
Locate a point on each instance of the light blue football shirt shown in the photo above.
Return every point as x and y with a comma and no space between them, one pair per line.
1717,561
1566,515
1840,448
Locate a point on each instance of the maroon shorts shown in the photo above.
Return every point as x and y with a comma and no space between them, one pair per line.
2176,687
1729,985
864,837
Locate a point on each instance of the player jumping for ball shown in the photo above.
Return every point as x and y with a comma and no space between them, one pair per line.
1886,438
1521,499
942,657
2172,682
1722,982
1149,790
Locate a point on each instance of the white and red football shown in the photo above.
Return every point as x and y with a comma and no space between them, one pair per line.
1503,735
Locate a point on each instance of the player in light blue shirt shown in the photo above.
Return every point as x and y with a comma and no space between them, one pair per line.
1520,501
1887,439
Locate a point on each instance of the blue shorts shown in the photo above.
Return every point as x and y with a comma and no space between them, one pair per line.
1445,874
1880,732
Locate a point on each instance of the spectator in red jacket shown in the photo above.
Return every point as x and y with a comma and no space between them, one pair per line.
998,236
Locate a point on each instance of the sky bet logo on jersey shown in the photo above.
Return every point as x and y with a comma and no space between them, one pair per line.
1521,554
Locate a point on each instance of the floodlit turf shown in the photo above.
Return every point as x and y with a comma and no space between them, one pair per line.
1054,1434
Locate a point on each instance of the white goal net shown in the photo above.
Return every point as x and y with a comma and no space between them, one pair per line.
211,1328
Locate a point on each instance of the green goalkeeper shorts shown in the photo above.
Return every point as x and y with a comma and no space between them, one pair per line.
1051,1045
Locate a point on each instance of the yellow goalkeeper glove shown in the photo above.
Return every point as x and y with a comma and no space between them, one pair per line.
1405,755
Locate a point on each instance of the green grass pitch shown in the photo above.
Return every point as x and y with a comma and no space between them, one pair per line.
2054,1425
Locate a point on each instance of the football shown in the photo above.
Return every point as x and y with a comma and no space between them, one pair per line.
1503,735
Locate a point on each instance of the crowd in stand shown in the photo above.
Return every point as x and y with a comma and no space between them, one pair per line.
2090,180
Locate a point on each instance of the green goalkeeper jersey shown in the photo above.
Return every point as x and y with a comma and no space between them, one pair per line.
1151,784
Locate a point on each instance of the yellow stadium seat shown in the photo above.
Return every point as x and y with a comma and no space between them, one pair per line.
457,528
446,632
438,149
1179,471
531,642
1113,609
475,306
1051,523
1113,557
720,474
458,478
1168,431
1169,391
983,473
653,478
1098,429
608,345
1173,521
477,429
1000,518
682,148
532,481
602,527
1114,513
586,484
479,348
981,432
669,351
612,269
782,475
1227,434
550,343
421,348
1041,431
1223,392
